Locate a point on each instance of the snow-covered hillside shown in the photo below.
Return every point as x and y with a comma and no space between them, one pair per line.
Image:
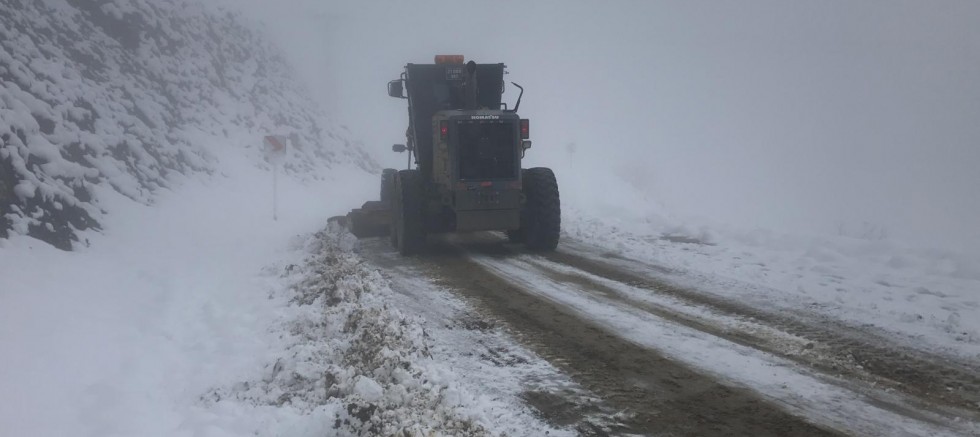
124,94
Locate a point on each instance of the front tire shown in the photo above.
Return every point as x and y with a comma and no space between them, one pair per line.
541,217
408,208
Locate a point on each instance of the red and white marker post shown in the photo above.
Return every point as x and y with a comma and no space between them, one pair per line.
275,153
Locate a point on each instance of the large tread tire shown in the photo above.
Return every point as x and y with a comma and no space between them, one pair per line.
408,213
388,185
356,225
388,176
541,216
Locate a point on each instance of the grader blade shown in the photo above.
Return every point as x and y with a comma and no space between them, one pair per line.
372,219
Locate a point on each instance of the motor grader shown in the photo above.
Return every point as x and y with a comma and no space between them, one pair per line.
466,146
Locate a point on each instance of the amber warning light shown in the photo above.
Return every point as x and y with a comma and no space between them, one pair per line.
449,59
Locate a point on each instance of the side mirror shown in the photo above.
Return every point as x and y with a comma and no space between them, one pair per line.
398,148
395,89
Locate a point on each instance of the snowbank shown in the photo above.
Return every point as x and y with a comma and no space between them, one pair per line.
125,336
353,364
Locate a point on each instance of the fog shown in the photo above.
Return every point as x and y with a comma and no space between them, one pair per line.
798,116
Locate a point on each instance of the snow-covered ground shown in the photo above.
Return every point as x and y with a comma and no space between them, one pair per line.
789,385
201,315
185,309
927,298
125,336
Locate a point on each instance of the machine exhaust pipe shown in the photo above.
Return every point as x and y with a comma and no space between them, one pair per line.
470,87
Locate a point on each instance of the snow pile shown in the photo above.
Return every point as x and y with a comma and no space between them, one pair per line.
120,93
355,364
927,298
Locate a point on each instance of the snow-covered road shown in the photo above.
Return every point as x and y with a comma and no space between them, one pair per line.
674,359
193,329
197,331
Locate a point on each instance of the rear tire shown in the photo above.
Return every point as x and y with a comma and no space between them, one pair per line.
408,208
541,216
388,185
388,176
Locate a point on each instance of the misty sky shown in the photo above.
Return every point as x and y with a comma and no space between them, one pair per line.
774,114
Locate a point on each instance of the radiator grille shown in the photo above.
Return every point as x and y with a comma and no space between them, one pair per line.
487,150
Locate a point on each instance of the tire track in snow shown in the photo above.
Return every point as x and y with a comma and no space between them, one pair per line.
480,348
654,395
606,294
942,383
827,401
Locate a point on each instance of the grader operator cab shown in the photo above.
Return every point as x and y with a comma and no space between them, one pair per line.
467,147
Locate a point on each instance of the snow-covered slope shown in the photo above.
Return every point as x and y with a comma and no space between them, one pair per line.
124,94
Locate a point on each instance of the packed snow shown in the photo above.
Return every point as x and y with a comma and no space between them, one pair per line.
793,387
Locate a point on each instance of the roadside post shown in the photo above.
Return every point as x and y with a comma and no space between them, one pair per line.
275,153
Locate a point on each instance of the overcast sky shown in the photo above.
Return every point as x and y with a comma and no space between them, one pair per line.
787,115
